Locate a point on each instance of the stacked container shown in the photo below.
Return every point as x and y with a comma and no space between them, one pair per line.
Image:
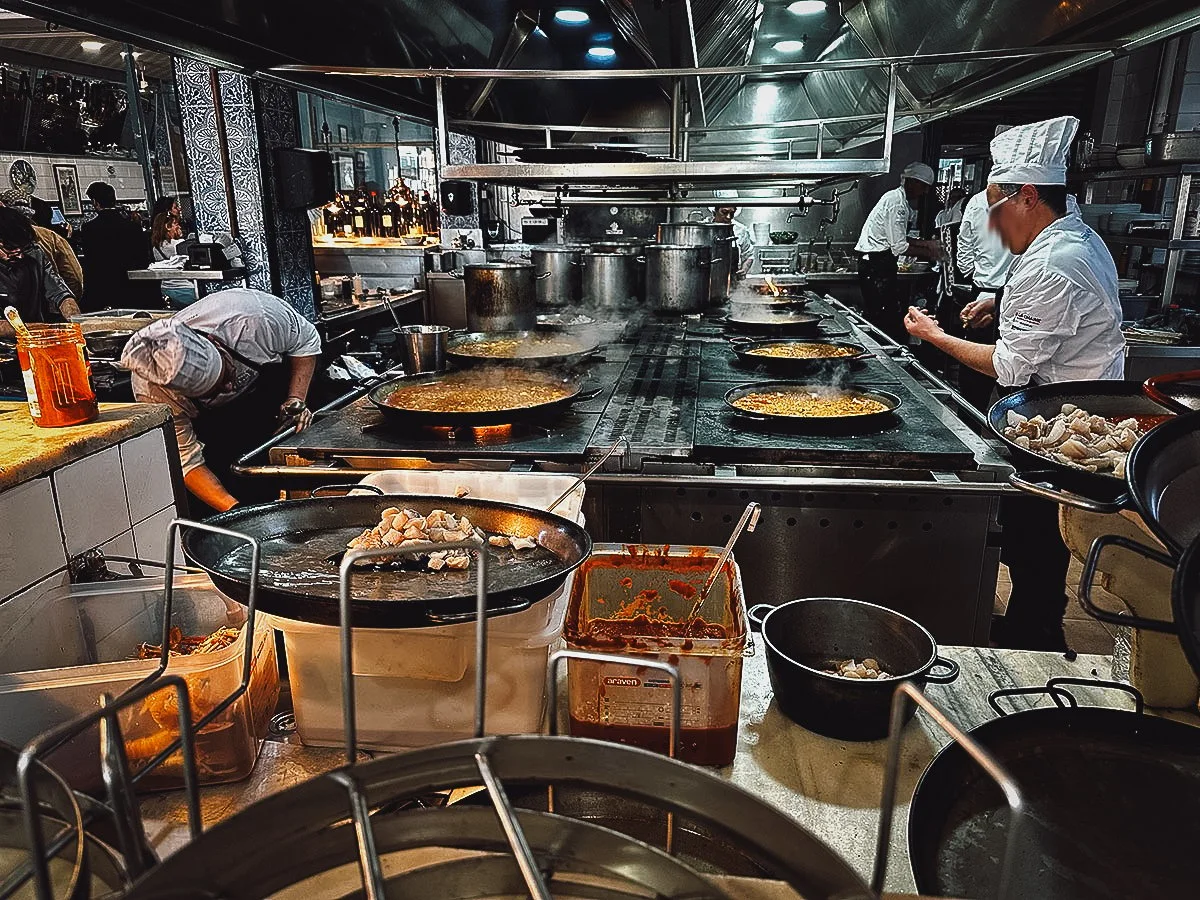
60,653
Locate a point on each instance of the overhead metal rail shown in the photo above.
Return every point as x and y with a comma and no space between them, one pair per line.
680,168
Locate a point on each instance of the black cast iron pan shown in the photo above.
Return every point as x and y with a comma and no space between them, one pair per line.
1163,477
502,383
784,365
865,421
765,322
533,348
301,542
1111,800
1097,491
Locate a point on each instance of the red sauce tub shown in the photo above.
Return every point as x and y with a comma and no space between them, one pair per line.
634,600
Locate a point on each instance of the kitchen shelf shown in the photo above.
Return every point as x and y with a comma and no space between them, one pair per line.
1174,245
1170,171
1156,243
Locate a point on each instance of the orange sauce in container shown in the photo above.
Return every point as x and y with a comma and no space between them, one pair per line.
57,375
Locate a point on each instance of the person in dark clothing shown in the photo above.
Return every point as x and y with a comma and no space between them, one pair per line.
112,244
28,279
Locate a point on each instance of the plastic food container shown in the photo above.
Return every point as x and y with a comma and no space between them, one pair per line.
60,653
57,375
416,686
625,601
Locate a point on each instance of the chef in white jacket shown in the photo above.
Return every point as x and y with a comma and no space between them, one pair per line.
881,243
1060,321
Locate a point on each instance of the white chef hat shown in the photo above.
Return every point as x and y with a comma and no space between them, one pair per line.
171,354
918,171
1034,153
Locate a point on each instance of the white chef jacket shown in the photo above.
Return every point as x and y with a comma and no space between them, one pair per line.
745,244
981,255
256,325
1061,319
886,227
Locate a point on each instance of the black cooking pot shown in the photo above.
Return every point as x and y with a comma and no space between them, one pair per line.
805,637
106,344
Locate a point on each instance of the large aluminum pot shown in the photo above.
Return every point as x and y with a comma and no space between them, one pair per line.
611,280
714,235
500,296
557,269
622,246
677,277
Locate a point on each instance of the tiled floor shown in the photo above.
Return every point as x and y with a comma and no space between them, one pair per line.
1084,634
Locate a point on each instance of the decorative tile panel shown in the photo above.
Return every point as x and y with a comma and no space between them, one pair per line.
462,151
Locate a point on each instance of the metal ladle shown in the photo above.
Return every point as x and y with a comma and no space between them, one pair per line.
748,522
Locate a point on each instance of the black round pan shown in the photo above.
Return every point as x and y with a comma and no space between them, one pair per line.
302,543
1112,399
767,323
574,348
1163,477
493,377
865,421
783,365
1111,801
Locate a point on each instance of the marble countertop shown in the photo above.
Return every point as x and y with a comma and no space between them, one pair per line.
27,450
831,787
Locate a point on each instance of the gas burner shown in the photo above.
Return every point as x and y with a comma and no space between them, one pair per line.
470,435
814,425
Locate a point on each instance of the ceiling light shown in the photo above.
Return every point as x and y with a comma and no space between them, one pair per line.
789,46
807,7
92,46
572,17
601,53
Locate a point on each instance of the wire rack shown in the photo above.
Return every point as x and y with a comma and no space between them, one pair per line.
357,815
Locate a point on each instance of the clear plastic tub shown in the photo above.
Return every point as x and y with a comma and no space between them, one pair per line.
58,654
632,601
416,686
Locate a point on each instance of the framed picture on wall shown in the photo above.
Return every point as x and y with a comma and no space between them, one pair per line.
345,171
66,179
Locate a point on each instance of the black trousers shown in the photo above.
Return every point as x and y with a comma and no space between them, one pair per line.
975,386
1037,558
881,294
229,431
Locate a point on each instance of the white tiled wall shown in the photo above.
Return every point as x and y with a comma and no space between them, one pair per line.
84,505
126,176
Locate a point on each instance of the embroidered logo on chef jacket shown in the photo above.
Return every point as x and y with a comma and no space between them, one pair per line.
1024,322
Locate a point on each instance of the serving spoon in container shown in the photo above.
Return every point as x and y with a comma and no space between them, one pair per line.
748,522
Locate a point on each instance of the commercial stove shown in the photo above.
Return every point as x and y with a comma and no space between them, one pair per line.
903,515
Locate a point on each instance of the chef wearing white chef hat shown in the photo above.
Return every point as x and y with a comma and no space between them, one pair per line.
1060,321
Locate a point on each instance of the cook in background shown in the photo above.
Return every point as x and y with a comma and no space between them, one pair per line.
1060,321
219,365
27,277
53,244
114,243
883,240
165,236
743,240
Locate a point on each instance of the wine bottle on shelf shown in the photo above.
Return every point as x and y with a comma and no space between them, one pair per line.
362,226
346,216
376,213
389,216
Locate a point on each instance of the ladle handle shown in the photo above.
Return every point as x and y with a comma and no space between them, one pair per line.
748,522
589,473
